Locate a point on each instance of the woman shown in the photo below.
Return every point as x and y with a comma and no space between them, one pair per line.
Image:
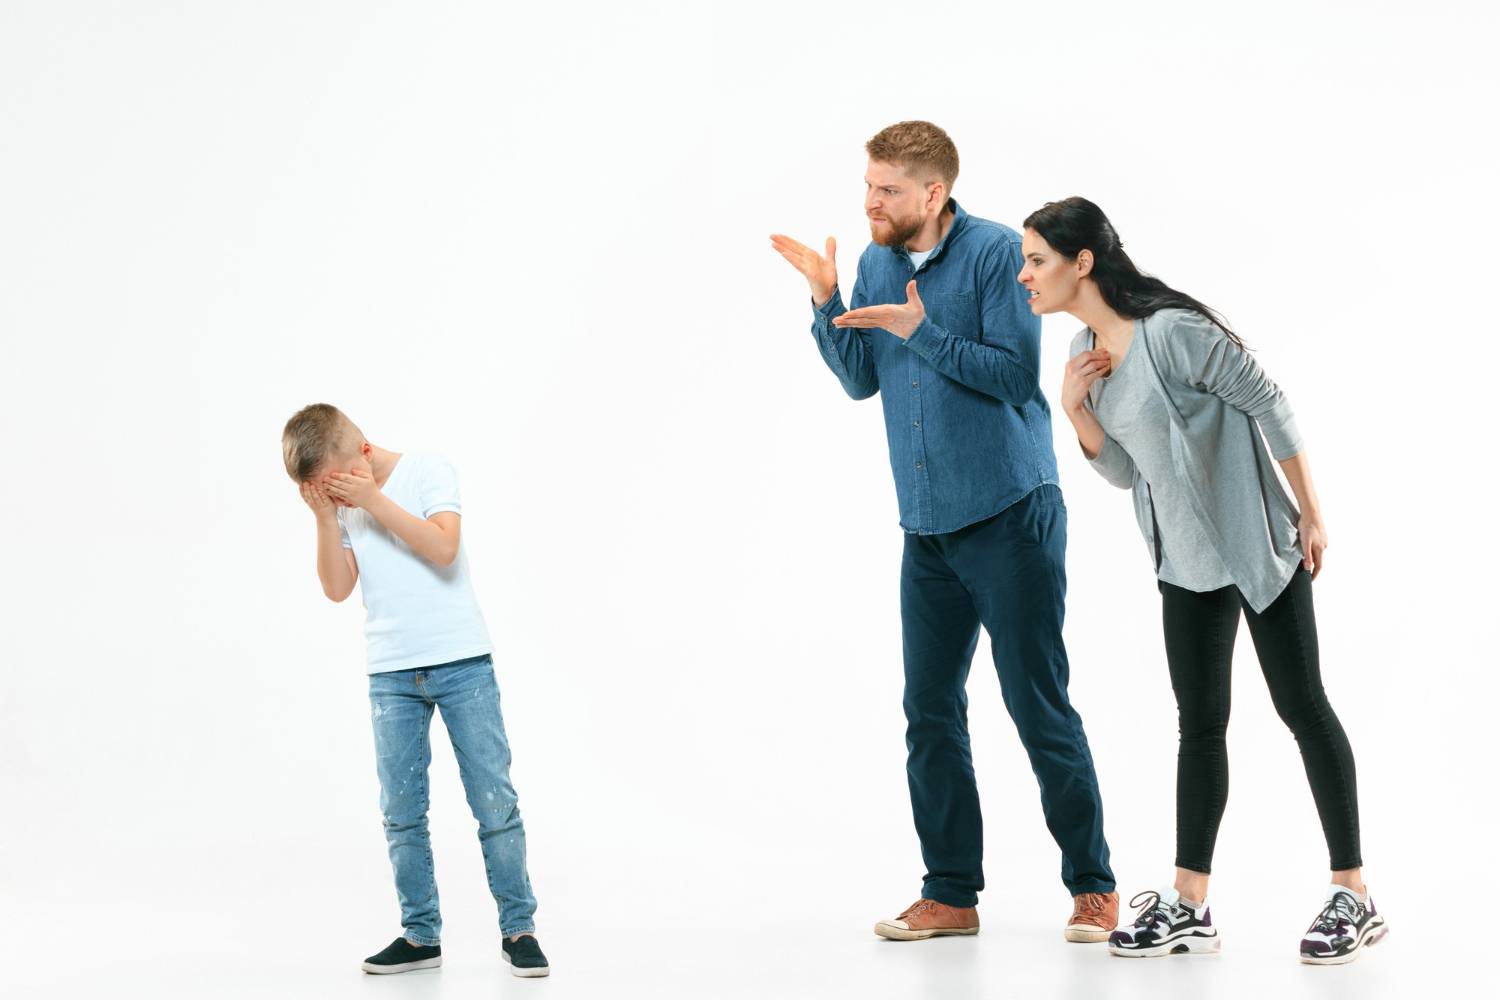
1168,404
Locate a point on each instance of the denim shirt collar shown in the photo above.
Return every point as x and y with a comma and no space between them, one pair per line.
959,218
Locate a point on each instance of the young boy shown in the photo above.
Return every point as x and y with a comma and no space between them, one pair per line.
392,521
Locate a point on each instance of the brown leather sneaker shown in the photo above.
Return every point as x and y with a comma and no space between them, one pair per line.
1095,915
928,918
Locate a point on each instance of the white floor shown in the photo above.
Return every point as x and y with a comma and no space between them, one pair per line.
821,958
752,861
743,866
718,961
299,931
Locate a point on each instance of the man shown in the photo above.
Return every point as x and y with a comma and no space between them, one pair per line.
939,327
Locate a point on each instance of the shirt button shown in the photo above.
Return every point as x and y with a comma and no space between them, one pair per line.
915,384
916,423
919,465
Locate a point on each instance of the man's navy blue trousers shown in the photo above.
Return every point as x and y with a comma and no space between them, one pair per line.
1006,572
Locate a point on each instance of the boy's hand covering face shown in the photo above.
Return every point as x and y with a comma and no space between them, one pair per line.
316,499
355,488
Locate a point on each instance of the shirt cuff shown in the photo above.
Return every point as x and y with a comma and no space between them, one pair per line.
1290,448
1104,457
1282,436
926,338
1112,462
826,309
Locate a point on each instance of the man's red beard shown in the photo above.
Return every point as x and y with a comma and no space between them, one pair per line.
901,230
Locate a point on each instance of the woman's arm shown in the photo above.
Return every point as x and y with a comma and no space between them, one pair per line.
1103,452
1310,530
1199,354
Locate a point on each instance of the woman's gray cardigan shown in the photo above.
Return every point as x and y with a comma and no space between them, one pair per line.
1219,402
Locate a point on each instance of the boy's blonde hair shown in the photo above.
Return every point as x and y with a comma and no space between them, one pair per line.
921,148
315,434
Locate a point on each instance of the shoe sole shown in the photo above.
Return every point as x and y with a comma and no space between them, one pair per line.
1086,934
894,933
526,973
390,970
1195,944
1372,935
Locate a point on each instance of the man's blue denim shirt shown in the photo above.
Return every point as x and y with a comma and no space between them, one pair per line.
969,430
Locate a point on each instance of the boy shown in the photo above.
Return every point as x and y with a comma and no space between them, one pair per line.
393,521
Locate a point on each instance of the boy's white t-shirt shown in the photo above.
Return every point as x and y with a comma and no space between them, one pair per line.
417,614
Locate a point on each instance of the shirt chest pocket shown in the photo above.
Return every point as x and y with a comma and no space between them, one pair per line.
955,312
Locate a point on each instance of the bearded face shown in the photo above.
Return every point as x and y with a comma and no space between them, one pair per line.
892,231
896,203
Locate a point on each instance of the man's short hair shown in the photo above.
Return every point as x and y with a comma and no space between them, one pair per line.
315,434
922,149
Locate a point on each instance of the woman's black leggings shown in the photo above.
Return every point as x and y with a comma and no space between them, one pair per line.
1200,631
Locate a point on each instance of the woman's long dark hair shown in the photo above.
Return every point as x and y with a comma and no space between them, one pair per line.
1076,224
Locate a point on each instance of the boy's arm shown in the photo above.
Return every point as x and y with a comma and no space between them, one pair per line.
337,570
434,539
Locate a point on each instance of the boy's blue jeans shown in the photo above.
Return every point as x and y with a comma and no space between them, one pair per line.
1007,574
401,705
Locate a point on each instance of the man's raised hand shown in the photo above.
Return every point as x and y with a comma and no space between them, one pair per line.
821,274
901,319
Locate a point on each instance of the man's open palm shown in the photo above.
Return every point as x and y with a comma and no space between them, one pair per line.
899,318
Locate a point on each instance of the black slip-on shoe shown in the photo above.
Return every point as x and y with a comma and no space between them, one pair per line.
525,957
403,956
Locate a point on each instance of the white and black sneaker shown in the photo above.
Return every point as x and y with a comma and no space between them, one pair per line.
1345,926
403,956
1165,925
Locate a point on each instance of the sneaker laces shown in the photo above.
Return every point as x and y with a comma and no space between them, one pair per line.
1088,904
1342,908
1155,908
920,906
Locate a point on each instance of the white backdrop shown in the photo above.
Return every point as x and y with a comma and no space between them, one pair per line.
535,240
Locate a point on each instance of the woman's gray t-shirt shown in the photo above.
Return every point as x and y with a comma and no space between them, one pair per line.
1131,410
